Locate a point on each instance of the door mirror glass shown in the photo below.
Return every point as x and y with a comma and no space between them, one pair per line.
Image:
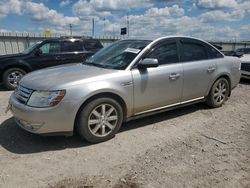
148,63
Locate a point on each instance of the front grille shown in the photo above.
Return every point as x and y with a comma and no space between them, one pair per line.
23,94
245,67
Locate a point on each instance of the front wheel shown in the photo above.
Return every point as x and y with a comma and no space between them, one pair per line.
100,120
12,76
219,93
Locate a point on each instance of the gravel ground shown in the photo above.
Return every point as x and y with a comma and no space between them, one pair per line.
189,147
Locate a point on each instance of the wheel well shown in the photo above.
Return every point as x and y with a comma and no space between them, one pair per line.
25,68
108,95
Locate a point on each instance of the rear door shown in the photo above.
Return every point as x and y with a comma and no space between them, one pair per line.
72,51
161,86
199,70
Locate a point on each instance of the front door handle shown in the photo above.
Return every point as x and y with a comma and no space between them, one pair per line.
174,76
58,58
211,69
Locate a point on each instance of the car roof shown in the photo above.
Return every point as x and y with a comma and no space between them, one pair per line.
72,39
165,37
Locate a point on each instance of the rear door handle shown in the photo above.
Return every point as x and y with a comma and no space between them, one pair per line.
174,76
211,69
60,58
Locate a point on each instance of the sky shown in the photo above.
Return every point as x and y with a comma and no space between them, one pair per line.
206,19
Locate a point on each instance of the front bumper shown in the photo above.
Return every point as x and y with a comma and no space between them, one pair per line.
55,120
245,70
245,74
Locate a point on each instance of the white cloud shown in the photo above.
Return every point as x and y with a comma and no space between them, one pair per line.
219,15
39,12
104,8
64,3
175,10
10,7
216,4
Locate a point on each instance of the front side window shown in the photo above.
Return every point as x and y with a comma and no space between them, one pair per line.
31,47
192,51
117,55
51,48
166,53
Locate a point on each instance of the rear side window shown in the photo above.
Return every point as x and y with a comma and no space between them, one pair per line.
92,45
72,46
192,51
166,53
247,50
213,53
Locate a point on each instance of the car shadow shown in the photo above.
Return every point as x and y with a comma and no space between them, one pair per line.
2,88
244,81
164,116
18,141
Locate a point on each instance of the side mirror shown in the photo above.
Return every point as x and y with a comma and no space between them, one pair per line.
148,63
38,52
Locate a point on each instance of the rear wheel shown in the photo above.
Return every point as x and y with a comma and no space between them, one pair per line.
219,93
12,76
100,120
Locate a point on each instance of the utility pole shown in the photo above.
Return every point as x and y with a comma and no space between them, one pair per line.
128,24
93,27
70,29
104,26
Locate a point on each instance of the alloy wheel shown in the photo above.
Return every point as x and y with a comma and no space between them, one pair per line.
14,77
102,120
220,92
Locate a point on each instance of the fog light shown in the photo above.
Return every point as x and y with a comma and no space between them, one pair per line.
30,125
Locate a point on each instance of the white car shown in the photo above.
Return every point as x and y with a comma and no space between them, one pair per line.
245,66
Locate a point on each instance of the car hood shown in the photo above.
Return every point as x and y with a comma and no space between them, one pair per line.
61,76
245,58
11,56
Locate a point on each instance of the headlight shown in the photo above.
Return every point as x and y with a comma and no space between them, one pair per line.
45,98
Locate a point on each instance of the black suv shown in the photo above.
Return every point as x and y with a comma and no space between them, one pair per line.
47,53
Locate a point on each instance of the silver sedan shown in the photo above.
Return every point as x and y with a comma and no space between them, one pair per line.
126,80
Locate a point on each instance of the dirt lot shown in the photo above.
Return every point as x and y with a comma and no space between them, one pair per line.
190,147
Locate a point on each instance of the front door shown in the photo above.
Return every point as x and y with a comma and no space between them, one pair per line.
156,88
49,55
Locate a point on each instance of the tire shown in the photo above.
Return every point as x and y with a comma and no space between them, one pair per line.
219,93
11,77
93,126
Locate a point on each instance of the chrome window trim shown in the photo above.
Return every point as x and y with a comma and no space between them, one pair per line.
168,106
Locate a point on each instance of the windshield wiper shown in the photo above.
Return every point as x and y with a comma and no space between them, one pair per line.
95,64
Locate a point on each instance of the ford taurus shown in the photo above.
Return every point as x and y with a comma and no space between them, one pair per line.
126,80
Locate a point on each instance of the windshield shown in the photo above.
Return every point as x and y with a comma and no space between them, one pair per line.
118,55
31,48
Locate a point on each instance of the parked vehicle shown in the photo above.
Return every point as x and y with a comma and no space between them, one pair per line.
47,53
245,66
241,51
126,80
